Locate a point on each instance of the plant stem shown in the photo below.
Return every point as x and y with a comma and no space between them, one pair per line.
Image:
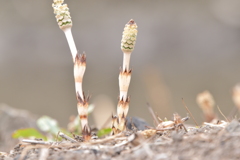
71,43
126,61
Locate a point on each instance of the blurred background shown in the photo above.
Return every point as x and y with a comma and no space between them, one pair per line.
183,48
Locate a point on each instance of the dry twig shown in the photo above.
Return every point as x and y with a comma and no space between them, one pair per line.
67,137
222,113
152,113
189,112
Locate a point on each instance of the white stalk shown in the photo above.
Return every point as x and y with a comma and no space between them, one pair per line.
82,111
79,70
124,82
126,61
71,43
122,109
78,88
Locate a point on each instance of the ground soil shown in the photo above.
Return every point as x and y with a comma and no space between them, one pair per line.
208,142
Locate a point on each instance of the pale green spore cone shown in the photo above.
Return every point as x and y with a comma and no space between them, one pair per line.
62,14
129,37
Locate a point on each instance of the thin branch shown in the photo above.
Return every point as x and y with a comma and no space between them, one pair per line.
189,112
67,137
36,142
114,137
222,114
152,113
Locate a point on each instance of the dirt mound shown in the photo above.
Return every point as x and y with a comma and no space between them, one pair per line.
210,141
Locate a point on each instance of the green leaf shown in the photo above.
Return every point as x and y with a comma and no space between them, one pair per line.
48,124
27,133
104,132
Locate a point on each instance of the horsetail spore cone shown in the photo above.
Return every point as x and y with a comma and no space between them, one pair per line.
128,42
65,23
62,14
129,37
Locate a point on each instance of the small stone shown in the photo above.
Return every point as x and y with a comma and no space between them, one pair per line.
139,123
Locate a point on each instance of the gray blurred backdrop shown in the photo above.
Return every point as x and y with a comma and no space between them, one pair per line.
183,48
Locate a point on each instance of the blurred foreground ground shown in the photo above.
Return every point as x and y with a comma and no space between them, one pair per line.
208,142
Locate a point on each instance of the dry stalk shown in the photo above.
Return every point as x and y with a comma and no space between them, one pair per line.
189,112
127,46
206,103
36,142
65,24
107,139
153,114
222,113
67,137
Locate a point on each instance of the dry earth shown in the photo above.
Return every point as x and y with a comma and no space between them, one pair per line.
208,142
